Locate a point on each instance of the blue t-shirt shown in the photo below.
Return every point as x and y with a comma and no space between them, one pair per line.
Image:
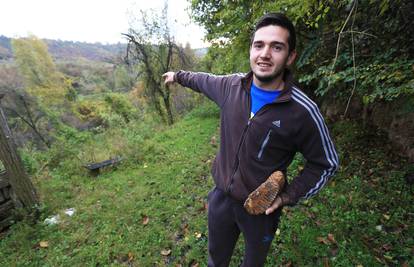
260,98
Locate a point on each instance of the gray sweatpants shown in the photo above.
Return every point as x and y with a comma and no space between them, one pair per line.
226,219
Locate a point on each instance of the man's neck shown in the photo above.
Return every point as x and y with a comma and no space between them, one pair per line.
275,85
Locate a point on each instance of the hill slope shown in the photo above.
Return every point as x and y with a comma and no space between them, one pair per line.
152,213
71,50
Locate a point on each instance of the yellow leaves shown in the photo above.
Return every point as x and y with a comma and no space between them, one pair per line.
166,252
41,77
130,256
44,244
278,232
388,257
88,109
197,235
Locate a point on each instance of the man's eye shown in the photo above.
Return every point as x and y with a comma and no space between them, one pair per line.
258,45
277,48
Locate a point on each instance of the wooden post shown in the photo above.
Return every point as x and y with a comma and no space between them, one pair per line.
18,178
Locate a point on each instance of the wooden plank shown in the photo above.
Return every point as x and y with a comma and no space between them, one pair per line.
19,180
94,166
5,209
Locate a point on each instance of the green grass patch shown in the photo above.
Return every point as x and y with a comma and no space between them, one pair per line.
150,211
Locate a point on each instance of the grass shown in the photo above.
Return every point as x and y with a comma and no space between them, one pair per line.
150,211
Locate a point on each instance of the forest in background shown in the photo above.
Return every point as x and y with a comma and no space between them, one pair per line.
355,59
69,104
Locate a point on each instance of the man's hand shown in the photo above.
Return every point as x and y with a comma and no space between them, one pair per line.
168,77
275,205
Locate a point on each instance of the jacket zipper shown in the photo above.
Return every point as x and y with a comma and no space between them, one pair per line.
266,140
237,160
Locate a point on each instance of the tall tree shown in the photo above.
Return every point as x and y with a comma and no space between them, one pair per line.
152,47
339,43
41,77
45,88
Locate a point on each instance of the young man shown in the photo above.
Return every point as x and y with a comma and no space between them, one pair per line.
265,120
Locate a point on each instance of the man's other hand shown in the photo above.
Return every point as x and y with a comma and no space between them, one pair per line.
275,205
168,77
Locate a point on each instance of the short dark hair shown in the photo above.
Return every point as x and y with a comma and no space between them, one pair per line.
278,19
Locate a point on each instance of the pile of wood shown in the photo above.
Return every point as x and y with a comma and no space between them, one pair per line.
6,202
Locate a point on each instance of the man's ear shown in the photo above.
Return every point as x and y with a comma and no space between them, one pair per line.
291,57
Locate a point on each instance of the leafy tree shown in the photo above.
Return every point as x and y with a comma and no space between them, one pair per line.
229,24
41,78
359,49
39,103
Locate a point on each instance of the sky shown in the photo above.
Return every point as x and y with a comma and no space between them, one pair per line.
90,20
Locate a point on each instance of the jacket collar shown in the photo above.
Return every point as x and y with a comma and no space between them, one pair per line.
286,93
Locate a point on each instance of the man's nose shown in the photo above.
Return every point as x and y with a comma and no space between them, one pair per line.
265,53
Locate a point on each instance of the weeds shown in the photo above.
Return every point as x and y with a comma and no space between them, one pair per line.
151,211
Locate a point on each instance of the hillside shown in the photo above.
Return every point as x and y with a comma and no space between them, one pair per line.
151,210
71,50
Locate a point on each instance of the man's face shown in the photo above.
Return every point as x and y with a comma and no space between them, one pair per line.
269,53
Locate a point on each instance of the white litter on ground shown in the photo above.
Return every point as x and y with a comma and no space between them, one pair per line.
55,219
52,220
70,211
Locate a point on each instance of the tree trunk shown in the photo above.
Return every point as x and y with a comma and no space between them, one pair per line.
167,103
18,178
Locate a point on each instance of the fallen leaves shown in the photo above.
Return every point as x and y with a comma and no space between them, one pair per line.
44,244
193,263
322,240
204,206
213,141
145,220
329,240
198,235
166,252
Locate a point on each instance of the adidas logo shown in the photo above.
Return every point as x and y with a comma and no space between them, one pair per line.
276,123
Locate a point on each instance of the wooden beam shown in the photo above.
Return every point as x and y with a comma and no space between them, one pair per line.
17,176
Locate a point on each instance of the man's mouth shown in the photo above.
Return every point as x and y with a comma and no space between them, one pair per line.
263,64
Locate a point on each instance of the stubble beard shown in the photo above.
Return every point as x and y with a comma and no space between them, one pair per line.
271,77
